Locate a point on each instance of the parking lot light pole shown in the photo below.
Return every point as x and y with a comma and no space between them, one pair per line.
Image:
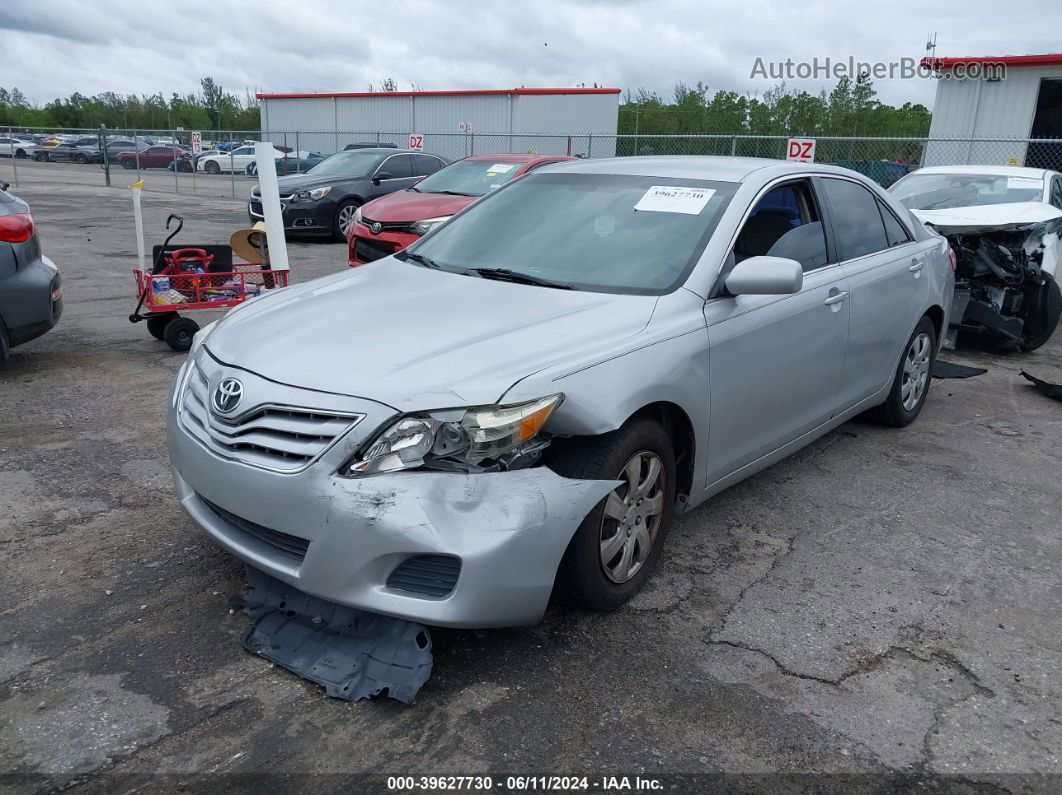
106,160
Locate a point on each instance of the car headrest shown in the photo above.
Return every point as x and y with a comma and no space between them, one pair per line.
760,233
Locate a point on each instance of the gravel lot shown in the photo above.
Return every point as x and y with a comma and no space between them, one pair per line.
884,602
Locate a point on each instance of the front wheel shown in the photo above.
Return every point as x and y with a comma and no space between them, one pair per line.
910,385
616,547
129,163
40,157
344,219
212,168
80,158
20,154
252,169
1042,314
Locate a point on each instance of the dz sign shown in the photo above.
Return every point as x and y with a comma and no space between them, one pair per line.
800,149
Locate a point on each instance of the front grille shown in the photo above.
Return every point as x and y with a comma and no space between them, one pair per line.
430,575
281,438
369,250
405,227
256,208
292,546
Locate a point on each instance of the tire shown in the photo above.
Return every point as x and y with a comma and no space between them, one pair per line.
5,345
179,332
1042,316
128,162
211,167
584,577
901,407
80,159
156,324
20,154
344,215
40,157
252,169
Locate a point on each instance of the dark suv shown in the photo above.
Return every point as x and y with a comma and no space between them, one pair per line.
31,298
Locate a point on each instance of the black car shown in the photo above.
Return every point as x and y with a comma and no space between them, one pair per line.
368,145
31,298
323,200
63,153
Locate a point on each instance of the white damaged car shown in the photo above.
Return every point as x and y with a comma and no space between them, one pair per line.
1003,223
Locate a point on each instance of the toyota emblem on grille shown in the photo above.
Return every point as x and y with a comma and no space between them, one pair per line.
227,396
376,227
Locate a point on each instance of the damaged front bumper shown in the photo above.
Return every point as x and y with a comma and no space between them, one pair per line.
443,549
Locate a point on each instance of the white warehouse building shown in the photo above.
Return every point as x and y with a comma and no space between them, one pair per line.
1017,100
454,124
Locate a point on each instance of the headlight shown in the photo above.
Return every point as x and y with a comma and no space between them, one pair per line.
312,195
425,226
477,438
357,215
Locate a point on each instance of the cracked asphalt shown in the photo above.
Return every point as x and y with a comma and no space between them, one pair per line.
883,606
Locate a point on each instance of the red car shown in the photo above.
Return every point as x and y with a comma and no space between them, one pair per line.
152,157
389,224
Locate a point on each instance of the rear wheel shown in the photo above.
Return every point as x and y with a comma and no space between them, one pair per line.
616,547
179,332
1042,314
20,154
156,324
40,157
128,162
344,219
252,169
80,158
910,386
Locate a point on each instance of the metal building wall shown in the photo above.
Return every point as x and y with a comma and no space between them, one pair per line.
983,109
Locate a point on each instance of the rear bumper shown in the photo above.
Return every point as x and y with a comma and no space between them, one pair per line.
40,302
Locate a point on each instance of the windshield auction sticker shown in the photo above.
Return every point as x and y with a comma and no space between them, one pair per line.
674,199
500,168
1023,183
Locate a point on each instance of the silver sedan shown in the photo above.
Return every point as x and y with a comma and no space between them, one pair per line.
520,403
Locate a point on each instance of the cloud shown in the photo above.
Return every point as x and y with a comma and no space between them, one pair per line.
55,48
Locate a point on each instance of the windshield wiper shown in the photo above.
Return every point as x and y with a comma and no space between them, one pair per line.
452,193
421,260
507,275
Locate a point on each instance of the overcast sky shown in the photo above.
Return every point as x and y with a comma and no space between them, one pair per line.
51,48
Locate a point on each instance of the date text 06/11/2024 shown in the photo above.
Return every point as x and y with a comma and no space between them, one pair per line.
522,784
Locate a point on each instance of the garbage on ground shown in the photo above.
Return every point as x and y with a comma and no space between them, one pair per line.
1053,391
352,653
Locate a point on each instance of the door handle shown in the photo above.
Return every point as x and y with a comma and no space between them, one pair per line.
836,298
916,265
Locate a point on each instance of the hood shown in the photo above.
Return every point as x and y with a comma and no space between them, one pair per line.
293,183
411,205
990,217
417,338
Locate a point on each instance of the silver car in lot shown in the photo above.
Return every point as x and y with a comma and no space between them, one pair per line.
522,400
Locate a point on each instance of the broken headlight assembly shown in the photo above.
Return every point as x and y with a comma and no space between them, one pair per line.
425,226
477,439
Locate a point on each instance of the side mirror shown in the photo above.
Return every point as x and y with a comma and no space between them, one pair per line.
766,276
380,176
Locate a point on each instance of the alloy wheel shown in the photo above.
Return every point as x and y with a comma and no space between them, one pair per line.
346,218
915,371
632,516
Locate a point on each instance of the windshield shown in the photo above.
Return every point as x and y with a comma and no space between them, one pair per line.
601,232
347,164
946,191
469,177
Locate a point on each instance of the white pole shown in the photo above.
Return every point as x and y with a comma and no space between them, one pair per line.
270,192
138,219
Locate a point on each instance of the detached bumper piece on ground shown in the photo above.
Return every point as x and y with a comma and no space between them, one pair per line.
353,654
943,369
1053,391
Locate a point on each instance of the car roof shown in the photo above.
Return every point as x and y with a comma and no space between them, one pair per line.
707,167
515,157
999,171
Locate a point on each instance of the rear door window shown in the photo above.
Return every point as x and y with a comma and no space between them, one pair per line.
398,166
425,164
895,232
855,217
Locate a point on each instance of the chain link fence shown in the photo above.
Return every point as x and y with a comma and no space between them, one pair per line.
226,166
